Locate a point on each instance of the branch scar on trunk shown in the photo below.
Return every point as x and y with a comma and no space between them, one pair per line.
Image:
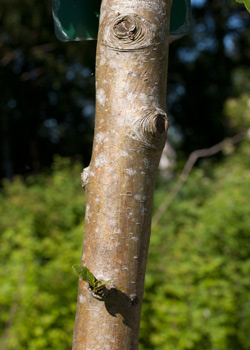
128,32
151,129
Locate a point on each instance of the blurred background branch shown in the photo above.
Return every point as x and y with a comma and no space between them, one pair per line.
192,159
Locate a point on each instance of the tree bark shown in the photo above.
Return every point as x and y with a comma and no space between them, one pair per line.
130,132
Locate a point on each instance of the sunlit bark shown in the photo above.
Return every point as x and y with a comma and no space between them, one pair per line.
130,132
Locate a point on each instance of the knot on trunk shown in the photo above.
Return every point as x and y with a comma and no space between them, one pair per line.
125,28
128,32
151,129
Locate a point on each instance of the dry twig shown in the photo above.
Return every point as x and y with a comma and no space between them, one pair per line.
200,153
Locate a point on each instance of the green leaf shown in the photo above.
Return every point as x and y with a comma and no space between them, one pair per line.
99,285
86,275
246,3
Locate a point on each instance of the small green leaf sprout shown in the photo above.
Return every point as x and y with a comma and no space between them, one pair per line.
95,285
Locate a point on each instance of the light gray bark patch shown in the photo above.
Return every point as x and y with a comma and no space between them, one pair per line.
128,32
85,176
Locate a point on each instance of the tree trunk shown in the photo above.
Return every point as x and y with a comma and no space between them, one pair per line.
130,132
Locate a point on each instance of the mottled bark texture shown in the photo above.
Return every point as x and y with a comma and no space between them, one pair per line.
130,132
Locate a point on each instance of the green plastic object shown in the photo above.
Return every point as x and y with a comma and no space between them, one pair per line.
78,19
181,17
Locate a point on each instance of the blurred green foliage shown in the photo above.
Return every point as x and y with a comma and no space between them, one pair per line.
41,225
197,283
237,107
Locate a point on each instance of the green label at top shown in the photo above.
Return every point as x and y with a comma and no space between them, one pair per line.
79,19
